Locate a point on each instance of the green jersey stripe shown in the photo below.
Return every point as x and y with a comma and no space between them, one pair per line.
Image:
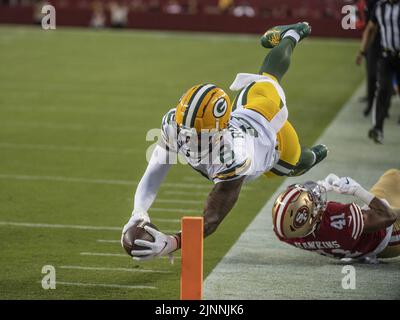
246,92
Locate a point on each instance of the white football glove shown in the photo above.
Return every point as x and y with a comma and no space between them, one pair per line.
328,182
137,216
347,185
163,245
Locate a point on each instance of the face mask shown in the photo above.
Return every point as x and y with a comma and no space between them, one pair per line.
318,194
199,145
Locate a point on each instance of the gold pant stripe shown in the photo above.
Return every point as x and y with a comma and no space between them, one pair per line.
263,98
388,187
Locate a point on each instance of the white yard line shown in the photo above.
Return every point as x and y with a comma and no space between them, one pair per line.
70,126
258,266
45,147
165,220
194,179
65,179
109,254
178,201
177,210
59,226
101,110
108,241
113,269
73,226
183,193
94,181
103,254
103,285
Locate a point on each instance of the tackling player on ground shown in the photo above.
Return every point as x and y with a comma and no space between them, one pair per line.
228,144
302,218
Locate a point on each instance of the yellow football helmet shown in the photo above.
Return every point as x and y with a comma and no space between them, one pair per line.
297,211
203,107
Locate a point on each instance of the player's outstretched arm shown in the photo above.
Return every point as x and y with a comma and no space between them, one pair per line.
220,201
378,216
148,186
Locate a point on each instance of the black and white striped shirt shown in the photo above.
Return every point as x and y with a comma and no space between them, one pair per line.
387,15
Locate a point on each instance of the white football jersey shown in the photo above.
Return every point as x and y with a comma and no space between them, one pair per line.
246,148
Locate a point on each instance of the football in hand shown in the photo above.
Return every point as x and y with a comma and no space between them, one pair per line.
137,232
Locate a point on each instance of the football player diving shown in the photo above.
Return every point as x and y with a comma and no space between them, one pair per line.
251,137
303,218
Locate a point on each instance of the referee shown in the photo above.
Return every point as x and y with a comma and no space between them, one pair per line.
372,55
385,19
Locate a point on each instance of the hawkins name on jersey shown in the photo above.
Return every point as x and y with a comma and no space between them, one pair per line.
245,148
340,234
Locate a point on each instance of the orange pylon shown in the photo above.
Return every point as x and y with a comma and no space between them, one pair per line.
192,258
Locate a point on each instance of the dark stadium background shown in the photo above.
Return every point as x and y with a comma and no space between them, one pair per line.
196,15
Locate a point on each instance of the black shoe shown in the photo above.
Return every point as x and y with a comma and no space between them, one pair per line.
376,135
366,112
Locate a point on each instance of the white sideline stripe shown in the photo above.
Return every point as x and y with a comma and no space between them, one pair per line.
45,147
72,226
95,181
113,269
104,285
107,254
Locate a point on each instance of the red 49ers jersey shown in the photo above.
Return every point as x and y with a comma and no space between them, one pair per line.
340,234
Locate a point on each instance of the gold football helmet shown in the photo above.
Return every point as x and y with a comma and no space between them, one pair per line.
203,107
297,211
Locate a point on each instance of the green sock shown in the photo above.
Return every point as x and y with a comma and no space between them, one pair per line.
307,158
306,161
277,62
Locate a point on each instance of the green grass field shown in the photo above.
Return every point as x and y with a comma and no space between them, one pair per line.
75,107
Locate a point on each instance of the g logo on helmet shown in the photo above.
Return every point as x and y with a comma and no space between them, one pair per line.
301,217
220,108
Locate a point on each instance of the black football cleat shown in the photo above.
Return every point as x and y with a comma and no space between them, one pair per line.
376,135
